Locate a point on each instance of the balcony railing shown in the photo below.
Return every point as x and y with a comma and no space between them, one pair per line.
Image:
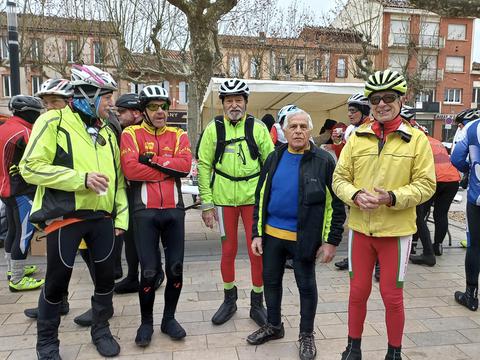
425,41
431,75
431,41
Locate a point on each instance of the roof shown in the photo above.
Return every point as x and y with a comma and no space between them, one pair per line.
48,24
151,66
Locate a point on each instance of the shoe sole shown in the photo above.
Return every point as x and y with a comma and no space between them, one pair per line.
173,337
265,340
143,343
20,290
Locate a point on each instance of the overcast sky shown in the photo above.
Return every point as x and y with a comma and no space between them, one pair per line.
323,6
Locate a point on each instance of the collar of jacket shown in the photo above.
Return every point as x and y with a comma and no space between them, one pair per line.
152,129
307,153
405,130
23,122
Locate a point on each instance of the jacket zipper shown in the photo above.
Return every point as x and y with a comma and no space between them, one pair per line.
160,182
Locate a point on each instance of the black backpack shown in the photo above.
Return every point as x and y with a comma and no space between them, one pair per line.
222,143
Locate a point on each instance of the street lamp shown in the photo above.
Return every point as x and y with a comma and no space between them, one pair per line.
13,47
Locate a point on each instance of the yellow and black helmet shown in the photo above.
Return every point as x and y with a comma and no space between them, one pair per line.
385,80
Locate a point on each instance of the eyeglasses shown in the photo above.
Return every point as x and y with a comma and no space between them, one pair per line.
155,107
387,99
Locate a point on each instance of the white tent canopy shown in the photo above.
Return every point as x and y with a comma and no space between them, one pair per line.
320,100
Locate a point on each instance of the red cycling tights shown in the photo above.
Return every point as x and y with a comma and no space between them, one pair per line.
228,219
392,254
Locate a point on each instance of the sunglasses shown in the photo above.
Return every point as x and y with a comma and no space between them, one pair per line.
387,99
155,107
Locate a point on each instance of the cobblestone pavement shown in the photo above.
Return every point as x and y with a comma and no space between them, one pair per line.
436,328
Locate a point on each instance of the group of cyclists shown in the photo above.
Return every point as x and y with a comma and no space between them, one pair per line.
93,180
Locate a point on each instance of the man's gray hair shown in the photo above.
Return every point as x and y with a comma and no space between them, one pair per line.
296,112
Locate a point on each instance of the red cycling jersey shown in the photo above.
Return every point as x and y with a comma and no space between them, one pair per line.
153,183
13,139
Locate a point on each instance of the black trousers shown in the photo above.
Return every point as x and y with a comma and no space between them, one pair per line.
472,257
275,252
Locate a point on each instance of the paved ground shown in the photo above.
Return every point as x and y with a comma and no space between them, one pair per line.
436,327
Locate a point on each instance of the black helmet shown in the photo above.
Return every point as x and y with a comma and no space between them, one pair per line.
467,115
129,101
19,103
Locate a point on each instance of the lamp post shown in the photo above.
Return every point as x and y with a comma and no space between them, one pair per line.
13,48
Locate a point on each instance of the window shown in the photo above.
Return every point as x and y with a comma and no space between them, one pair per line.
476,96
35,50
282,65
299,66
454,64
425,95
428,67
254,67
136,88
341,68
317,67
36,82
4,47
97,53
398,62
429,34
453,96
71,50
457,32
399,32
166,85
234,66
7,89
183,92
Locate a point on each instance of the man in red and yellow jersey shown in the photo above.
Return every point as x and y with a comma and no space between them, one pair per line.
154,158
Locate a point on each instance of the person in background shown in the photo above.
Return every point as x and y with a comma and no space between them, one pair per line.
385,170
15,193
447,186
269,121
466,157
292,218
276,132
325,135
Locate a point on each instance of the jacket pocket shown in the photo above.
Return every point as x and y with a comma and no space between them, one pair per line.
314,192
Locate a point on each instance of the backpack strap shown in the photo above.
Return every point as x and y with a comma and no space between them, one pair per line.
250,138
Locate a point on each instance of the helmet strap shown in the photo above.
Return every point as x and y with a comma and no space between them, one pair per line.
91,101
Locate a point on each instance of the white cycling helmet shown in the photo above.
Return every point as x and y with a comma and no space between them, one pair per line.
283,112
407,112
358,99
60,87
90,82
153,92
233,87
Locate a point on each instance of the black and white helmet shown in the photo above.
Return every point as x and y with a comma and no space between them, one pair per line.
358,99
60,87
467,115
407,112
19,103
233,87
284,111
153,92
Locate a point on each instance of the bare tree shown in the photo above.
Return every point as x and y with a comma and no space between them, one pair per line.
451,8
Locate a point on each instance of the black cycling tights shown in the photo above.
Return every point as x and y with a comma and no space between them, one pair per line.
62,246
472,258
149,226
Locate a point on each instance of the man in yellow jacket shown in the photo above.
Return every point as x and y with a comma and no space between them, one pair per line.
74,160
231,152
385,170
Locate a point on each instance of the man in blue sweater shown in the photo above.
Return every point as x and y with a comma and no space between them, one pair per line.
295,209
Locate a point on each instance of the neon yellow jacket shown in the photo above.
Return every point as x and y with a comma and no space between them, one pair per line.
57,159
404,166
226,192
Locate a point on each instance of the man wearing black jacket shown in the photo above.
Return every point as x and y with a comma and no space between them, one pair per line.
292,215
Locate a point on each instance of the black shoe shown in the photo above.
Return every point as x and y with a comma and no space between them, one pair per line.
102,338
144,335
118,273
307,350
428,260
172,328
160,278
352,352
64,309
469,298
438,249
258,313
228,307
377,271
394,353
47,339
127,286
266,333
84,319
289,264
342,265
